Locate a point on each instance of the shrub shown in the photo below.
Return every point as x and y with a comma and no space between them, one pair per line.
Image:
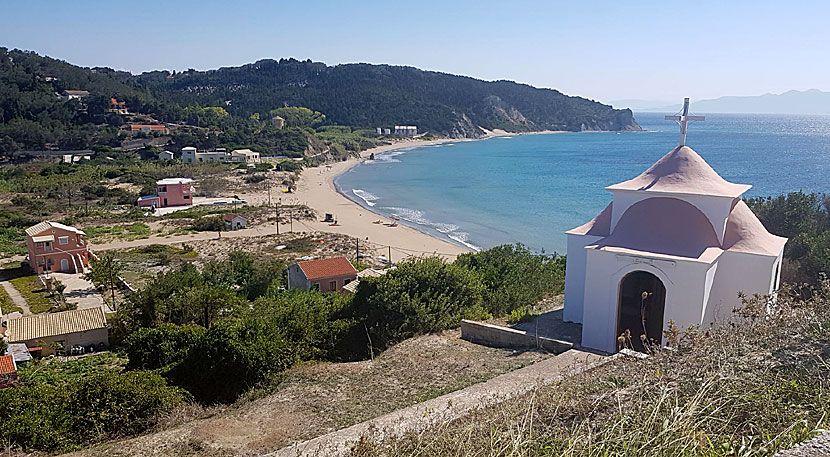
61,417
515,277
313,323
208,224
420,296
162,346
231,357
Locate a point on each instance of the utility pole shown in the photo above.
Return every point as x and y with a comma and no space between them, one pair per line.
357,249
390,254
269,195
291,220
278,217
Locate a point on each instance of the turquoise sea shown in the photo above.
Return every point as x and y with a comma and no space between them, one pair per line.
531,188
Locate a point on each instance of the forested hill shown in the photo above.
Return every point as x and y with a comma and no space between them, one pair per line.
364,95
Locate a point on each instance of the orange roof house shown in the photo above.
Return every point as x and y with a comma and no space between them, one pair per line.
56,247
117,107
148,128
8,370
325,275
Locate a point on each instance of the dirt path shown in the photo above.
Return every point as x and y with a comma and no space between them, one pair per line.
17,299
450,406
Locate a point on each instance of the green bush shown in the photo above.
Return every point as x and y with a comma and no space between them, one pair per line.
313,323
515,278
420,296
62,417
162,346
208,224
232,357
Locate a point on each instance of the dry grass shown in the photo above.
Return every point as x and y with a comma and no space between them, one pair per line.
745,389
317,398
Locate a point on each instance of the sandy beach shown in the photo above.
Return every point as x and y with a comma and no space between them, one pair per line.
316,190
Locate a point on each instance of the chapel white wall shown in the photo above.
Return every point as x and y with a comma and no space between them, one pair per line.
739,272
575,276
685,293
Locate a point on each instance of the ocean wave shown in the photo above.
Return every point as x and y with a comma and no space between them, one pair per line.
462,238
367,197
417,217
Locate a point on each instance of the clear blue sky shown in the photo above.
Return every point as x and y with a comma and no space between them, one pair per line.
606,50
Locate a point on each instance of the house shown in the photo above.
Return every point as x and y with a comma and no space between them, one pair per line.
117,107
56,247
20,353
367,273
677,243
169,192
75,94
191,155
244,156
235,221
147,128
278,122
165,155
406,130
8,371
325,275
58,332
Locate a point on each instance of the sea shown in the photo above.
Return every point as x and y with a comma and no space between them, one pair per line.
530,189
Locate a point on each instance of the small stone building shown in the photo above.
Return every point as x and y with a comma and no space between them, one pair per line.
325,275
235,221
60,331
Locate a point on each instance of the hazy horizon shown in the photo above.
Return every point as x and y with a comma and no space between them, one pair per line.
605,52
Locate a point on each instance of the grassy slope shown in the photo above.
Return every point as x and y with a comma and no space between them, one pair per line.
749,389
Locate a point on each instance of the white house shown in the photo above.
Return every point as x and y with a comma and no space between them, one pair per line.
235,221
165,155
676,243
244,156
406,130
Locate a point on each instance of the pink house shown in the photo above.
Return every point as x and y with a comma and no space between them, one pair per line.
169,192
56,247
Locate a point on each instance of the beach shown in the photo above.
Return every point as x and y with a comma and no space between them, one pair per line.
316,190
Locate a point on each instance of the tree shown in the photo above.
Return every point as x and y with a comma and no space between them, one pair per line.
420,296
104,273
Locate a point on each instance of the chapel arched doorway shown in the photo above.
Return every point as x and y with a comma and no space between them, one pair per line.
641,302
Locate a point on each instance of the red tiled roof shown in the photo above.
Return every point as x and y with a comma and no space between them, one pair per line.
229,217
146,126
7,364
326,268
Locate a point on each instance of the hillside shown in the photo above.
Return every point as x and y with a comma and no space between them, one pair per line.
363,95
808,102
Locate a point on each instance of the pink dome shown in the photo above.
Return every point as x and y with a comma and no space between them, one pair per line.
663,225
745,233
682,171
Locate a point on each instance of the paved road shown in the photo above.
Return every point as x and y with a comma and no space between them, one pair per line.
450,406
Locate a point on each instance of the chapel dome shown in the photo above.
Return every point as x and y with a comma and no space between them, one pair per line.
745,233
682,171
663,225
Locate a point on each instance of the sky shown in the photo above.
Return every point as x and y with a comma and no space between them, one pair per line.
603,50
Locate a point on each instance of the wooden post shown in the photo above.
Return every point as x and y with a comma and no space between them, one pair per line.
278,218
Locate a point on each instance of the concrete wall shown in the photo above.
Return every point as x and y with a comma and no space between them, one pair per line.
296,278
739,272
503,337
175,194
575,276
339,281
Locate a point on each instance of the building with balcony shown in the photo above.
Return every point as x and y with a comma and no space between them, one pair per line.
169,192
56,247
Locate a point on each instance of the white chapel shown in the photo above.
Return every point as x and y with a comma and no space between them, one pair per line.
676,243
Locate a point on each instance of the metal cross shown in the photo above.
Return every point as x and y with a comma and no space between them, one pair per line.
683,119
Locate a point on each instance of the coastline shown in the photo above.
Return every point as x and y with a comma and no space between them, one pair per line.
316,190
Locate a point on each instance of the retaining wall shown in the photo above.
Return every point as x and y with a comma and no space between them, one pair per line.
504,337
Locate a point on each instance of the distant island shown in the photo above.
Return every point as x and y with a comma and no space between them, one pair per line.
811,101
47,103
